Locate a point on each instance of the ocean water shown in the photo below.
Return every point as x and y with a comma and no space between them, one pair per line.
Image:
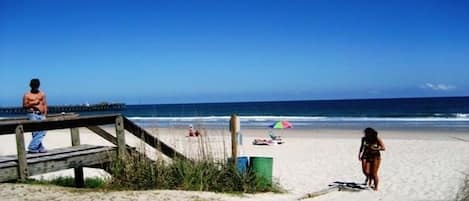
442,113
432,113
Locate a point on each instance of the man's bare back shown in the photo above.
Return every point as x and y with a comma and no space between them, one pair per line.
35,102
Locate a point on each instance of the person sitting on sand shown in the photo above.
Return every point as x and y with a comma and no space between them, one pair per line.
370,156
191,130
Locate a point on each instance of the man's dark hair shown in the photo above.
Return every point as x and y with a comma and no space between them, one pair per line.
34,84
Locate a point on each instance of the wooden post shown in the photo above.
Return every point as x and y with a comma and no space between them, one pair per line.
120,134
234,138
75,136
22,159
79,178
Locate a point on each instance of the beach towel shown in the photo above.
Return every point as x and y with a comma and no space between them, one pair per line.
337,186
261,142
351,186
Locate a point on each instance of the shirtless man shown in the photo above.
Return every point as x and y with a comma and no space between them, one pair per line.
35,103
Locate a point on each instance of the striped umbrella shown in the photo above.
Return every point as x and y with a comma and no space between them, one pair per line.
281,125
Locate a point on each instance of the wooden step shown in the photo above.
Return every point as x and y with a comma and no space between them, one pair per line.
57,159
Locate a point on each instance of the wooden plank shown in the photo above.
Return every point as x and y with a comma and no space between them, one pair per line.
68,155
107,136
51,124
8,158
120,134
104,134
57,156
49,116
13,158
89,158
20,148
8,174
151,140
79,178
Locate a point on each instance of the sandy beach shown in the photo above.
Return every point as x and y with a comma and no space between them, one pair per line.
417,165
317,73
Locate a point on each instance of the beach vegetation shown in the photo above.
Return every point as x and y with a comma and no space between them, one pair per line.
204,170
140,173
463,194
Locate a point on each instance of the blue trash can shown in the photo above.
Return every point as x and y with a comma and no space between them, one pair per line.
242,163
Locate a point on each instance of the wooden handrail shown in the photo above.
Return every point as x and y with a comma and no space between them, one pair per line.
92,122
149,139
57,123
50,115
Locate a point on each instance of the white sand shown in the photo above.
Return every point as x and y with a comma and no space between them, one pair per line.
417,165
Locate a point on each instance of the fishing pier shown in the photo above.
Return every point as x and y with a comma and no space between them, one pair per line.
69,108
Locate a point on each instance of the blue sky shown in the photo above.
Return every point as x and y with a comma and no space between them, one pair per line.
217,51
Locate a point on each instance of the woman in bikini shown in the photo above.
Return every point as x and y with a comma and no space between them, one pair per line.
370,156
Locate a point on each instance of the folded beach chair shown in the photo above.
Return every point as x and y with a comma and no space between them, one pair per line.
275,138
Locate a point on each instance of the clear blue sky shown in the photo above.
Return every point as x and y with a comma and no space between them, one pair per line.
172,51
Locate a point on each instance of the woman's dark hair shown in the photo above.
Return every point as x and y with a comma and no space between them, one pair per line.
34,84
371,135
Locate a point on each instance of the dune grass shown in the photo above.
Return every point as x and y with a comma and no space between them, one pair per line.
463,194
206,171
139,173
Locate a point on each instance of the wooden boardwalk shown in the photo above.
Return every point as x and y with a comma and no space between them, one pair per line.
20,166
57,159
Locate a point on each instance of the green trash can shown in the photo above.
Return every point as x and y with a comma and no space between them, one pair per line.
262,167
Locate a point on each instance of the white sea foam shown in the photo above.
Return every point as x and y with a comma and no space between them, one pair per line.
459,122
461,115
458,117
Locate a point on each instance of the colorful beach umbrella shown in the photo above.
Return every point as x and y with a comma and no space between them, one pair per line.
282,125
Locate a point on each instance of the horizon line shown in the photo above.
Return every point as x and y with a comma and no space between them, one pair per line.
300,100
